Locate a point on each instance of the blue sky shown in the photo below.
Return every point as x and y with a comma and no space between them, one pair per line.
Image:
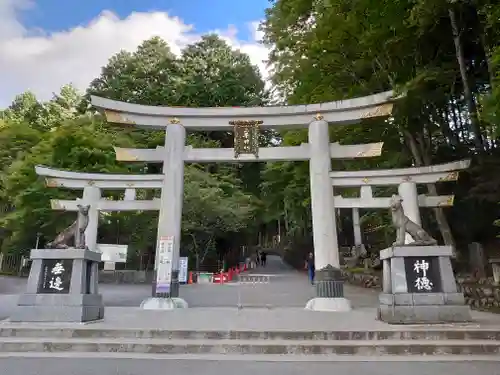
205,15
46,44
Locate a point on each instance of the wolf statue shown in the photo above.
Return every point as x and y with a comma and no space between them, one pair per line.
75,232
404,225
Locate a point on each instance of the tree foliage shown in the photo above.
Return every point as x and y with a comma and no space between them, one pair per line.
443,55
66,133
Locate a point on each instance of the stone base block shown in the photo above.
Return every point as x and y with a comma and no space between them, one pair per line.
329,304
417,299
156,303
174,286
58,308
424,314
56,300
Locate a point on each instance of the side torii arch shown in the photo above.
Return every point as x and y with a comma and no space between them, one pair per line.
406,179
92,185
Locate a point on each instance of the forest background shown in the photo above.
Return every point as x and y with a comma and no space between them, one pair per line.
444,55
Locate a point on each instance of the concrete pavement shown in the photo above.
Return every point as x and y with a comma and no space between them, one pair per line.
272,321
87,366
286,288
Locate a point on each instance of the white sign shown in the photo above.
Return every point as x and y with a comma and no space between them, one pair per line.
183,269
165,258
112,253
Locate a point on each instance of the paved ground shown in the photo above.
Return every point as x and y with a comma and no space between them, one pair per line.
256,319
79,366
286,288
275,305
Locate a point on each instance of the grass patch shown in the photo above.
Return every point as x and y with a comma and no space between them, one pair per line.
357,270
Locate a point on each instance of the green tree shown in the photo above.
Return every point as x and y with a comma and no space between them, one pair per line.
66,133
338,49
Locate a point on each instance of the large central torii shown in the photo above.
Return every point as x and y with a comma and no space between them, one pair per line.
246,122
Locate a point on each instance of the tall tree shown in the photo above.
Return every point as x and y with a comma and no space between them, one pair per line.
332,50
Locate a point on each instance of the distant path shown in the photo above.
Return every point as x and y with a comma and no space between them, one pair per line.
287,288
275,266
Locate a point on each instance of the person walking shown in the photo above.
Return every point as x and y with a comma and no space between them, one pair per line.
309,266
263,258
253,261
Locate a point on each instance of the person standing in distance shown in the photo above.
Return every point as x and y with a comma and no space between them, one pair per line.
309,266
263,258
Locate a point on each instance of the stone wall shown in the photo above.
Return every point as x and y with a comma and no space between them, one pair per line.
480,294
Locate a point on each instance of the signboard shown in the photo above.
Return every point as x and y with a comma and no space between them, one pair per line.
164,271
56,276
183,269
113,253
205,278
422,274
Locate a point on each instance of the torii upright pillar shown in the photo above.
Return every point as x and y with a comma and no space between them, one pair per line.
329,283
166,281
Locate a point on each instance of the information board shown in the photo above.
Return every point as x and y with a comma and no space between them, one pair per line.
183,269
113,253
164,271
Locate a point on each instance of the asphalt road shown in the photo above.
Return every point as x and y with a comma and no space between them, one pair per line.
88,366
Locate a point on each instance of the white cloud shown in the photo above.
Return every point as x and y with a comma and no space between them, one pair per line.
43,62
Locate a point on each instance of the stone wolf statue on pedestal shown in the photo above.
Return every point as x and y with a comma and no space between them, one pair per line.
75,231
404,225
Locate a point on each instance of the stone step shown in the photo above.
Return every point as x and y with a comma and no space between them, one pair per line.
257,357
428,333
284,347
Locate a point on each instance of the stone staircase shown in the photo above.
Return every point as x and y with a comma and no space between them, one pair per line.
447,341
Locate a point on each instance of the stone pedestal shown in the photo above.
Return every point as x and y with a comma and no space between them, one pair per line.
419,286
62,287
165,301
157,303
329,291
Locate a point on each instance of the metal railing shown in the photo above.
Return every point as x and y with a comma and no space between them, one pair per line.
13,264
252,280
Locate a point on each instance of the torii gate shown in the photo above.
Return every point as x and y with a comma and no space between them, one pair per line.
246,123
92,184
406,179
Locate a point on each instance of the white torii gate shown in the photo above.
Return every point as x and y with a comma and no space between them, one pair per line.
406,179
319,151
92,184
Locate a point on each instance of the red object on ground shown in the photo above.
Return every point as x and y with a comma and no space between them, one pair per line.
221,278
190,279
